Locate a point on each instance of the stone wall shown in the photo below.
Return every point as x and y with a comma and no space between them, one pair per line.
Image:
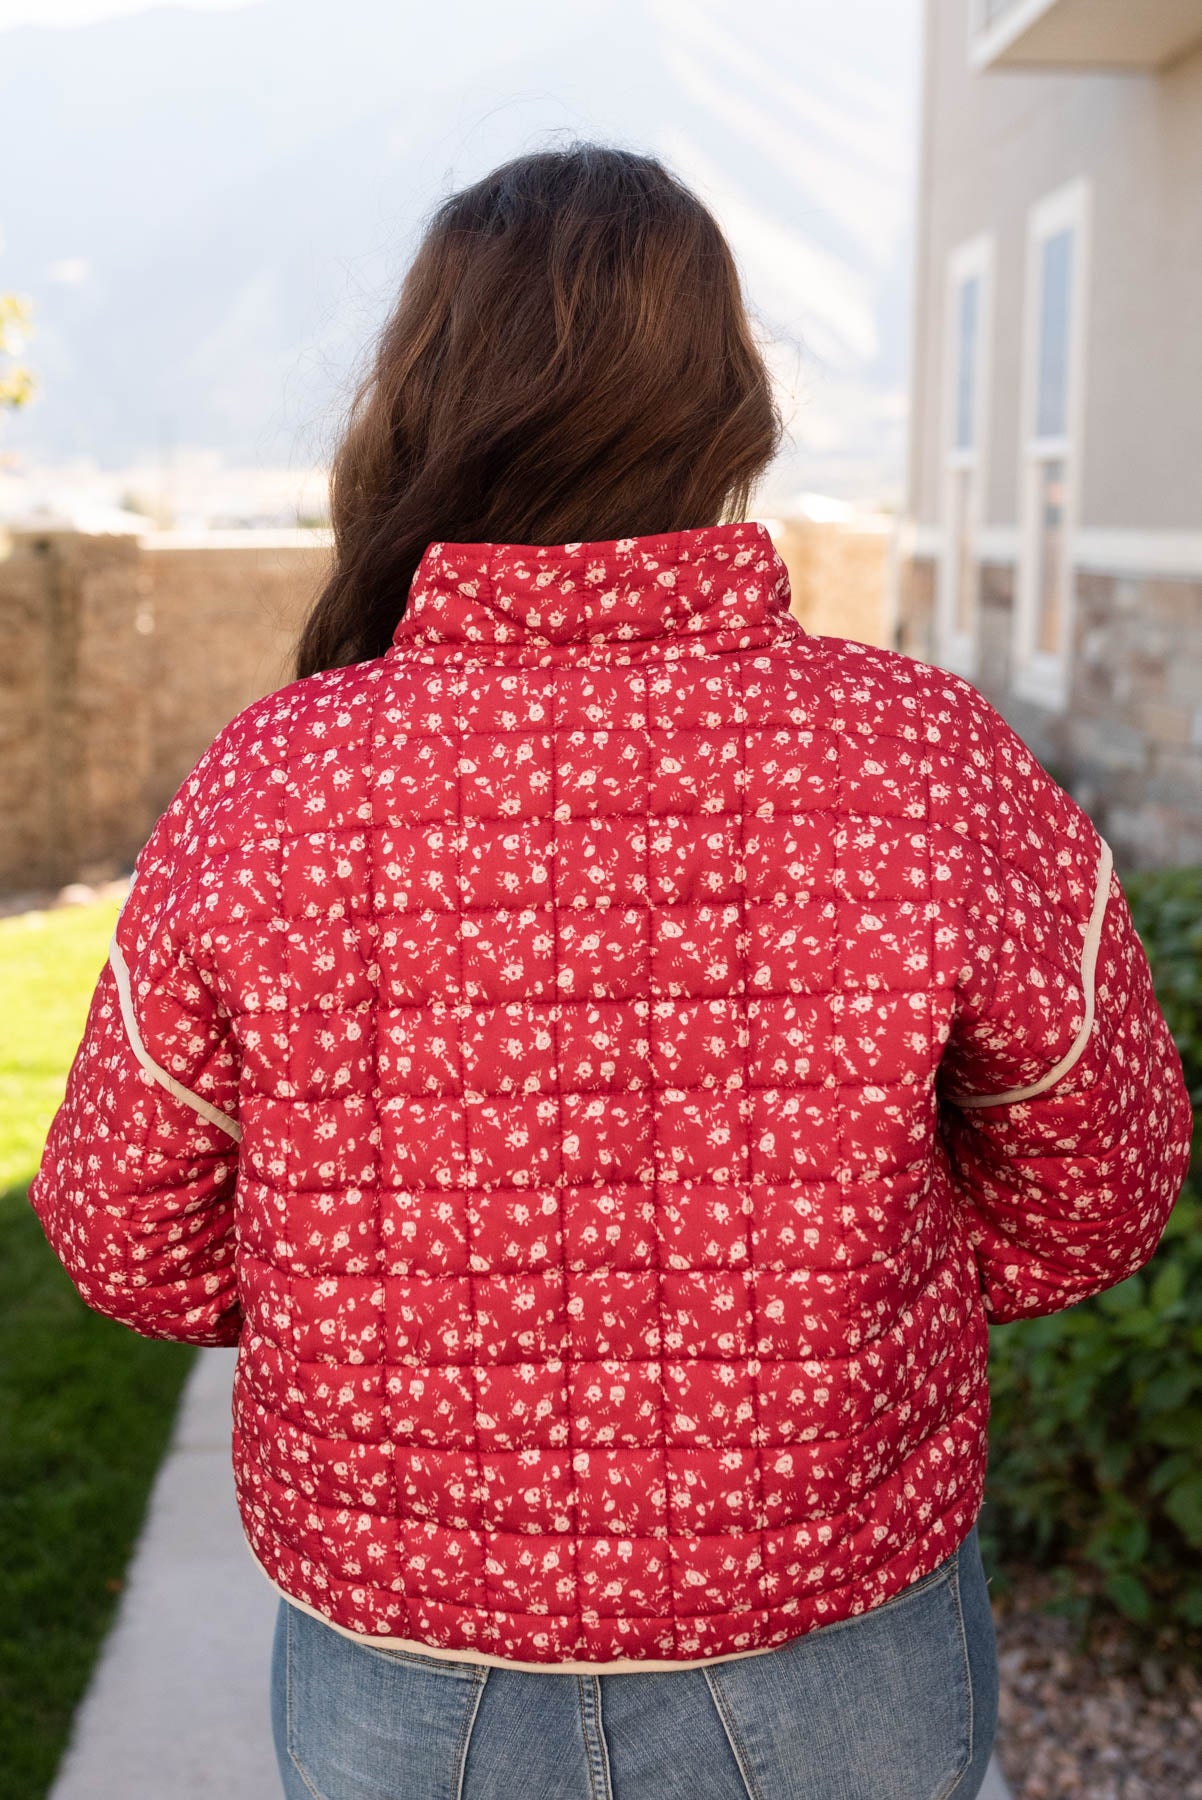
125,656
914,627
226,618
1135,729
1128,745
996,629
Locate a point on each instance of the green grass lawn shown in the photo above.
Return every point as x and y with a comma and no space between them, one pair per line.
49,964
86,1407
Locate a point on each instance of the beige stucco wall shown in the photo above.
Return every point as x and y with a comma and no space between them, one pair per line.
994,145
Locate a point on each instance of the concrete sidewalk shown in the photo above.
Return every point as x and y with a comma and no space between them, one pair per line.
178,1706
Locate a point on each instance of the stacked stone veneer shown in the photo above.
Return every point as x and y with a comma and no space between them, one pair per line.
124,656
1128,745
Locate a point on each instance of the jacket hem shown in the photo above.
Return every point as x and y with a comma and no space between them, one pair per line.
626,1665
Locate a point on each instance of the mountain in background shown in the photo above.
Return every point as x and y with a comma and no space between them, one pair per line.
212,211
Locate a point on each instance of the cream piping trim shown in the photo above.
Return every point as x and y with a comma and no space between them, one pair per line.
1089,960
213,1114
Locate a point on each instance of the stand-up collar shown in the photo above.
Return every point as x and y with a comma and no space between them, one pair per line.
715,580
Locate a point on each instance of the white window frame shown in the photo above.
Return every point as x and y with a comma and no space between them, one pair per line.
959,649
1039,675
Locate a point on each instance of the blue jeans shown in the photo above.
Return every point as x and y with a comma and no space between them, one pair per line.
899,1703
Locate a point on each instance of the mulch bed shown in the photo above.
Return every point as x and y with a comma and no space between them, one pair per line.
1104,1719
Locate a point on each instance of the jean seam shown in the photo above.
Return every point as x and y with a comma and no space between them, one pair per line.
586,1738
288,1705
465,1736
946,1793
588,1761
606,1771
737,1748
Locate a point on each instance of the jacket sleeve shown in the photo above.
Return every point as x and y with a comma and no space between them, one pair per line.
135,1190
1063,1103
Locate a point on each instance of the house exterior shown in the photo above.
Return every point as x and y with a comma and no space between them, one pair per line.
1051,548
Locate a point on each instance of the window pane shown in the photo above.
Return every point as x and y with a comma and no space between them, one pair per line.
1052,566
967,328
1055,305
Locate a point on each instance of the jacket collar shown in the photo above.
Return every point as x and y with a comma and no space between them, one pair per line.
715,581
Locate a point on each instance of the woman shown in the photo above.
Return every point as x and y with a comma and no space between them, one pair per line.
605,1057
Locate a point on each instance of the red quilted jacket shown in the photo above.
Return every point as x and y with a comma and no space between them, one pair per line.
604,1063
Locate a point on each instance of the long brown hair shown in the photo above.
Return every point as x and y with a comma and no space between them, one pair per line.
570,358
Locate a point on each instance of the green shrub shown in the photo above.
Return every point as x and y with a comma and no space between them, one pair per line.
1166,905
1096,1441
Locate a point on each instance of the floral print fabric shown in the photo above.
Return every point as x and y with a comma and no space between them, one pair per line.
593,990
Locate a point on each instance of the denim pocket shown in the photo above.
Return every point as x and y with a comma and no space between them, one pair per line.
443,1665
941,1572
874,1705
362,1723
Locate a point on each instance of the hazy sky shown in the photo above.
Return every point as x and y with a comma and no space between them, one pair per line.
86,12
218,197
